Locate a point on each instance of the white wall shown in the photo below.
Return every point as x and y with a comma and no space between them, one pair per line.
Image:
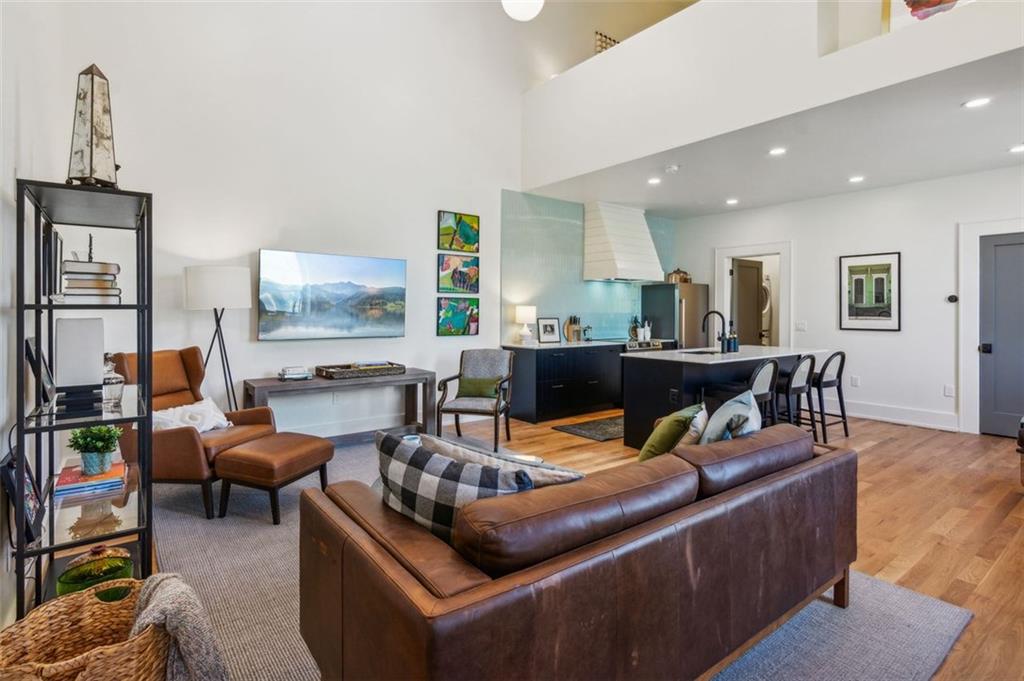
323,127
902,374
716,67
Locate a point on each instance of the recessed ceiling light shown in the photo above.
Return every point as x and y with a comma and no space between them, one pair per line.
777,151
731,202
654,180
1017,149
672,169
976,102
856,178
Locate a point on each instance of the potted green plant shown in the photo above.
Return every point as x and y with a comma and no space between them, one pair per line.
96,444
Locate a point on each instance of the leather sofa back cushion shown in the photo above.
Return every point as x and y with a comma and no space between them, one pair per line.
504,534
730,463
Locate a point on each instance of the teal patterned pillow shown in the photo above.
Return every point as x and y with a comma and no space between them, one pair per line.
738,417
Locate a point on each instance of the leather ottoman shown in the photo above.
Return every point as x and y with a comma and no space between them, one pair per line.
270,463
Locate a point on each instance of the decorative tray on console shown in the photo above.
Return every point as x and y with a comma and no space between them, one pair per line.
338,371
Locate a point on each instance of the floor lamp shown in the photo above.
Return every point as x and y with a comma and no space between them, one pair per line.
219,288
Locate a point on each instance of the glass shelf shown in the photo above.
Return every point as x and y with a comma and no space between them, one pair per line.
44,419
93,519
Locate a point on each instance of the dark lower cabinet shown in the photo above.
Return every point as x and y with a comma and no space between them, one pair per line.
550,383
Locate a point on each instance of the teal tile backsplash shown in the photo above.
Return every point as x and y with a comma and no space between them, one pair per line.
542,265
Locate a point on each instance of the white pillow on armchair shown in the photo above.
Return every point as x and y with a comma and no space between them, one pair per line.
203,415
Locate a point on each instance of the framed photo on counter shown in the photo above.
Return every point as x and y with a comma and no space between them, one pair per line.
548,330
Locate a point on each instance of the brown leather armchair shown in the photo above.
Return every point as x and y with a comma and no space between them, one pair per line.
184,455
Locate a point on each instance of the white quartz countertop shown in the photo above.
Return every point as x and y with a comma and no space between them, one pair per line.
713,356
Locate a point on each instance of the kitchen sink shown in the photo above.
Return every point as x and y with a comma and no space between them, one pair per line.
701,352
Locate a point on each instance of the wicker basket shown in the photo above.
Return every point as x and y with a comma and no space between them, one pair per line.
342,371
79,637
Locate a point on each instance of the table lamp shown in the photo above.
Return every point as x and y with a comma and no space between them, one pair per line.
526,315
217,288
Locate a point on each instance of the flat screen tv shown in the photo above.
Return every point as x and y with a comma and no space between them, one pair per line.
319,295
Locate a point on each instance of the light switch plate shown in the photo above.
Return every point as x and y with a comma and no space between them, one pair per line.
855,381
949,390
801,326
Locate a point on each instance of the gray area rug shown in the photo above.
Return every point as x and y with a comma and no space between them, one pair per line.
246,571
601,430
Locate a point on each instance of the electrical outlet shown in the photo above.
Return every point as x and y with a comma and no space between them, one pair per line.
673,395
949,390
801,326
854,381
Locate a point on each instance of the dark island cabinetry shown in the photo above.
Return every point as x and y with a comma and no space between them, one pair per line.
564,380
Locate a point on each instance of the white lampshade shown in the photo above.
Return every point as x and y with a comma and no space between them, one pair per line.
526,314
522,10
215,286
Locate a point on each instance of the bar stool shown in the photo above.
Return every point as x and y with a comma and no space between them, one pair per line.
762,384
831,376
793,387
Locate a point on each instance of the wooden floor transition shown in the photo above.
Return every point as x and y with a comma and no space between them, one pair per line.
940,513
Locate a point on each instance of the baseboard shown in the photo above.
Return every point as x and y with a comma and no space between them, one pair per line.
906,416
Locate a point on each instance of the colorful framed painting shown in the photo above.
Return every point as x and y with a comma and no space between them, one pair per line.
458,232
458,316
458,273
870,287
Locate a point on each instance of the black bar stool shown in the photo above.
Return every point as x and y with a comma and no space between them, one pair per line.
762,384
831,376
793,386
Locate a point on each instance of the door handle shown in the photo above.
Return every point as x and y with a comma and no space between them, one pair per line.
985,348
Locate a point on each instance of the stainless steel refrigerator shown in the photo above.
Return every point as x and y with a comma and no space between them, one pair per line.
675,311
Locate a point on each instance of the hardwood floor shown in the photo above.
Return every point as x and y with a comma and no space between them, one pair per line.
940,513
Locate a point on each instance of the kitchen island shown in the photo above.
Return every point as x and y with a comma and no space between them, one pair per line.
655,384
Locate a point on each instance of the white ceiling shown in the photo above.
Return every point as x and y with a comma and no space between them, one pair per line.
912,131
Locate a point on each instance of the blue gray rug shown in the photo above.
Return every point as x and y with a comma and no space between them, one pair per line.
246,572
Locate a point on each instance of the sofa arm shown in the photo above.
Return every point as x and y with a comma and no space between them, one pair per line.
252,417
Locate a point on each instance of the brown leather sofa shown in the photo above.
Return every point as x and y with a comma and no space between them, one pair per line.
665,569
184,455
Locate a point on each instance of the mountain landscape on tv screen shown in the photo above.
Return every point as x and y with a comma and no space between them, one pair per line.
342,309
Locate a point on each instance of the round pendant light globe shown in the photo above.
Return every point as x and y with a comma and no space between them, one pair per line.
522,10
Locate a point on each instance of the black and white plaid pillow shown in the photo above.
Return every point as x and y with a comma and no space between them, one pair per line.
430,487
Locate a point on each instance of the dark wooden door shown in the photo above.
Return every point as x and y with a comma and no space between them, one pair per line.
1002,334
746,299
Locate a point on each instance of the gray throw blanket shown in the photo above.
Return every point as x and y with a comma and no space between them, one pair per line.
166,600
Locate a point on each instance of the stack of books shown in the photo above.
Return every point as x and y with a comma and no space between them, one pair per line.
72,486
90,283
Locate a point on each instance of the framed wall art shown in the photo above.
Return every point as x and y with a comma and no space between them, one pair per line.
458,316
458,232
458,273
869,292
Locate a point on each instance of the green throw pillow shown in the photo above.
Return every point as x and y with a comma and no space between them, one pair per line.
478,387
669,432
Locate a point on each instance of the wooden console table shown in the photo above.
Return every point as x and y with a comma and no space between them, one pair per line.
259,390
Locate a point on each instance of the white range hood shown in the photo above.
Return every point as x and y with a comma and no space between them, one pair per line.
617,244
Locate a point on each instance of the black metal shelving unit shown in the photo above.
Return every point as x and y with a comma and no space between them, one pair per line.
48,206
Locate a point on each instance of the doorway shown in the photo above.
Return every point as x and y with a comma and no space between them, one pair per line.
754,300
1001,331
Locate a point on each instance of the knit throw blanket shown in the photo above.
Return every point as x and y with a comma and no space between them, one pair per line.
167,601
